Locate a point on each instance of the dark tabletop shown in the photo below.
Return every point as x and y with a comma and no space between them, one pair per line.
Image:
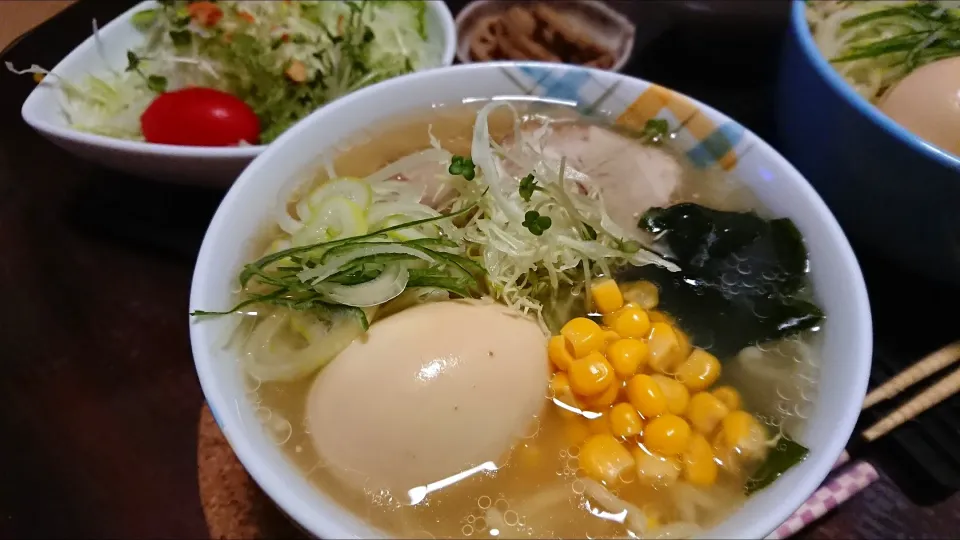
100,401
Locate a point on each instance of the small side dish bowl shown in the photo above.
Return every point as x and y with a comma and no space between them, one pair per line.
597,22
250,205
891,190
212,166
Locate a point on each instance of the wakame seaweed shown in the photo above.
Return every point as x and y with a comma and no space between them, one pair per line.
782,457
739,280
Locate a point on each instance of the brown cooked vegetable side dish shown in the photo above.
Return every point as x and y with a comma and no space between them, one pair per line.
536,32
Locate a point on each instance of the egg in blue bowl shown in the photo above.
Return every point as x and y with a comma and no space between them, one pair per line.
869,111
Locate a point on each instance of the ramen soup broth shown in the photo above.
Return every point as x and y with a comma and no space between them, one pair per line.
537,488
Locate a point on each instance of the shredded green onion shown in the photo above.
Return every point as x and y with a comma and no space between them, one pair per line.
874,44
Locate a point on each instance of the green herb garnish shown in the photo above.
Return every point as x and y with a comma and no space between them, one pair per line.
922,33
535,223
655,130
133,61
276,279
528,185
157,83
180,37
462,166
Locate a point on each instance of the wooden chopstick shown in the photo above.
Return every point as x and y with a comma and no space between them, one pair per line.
921,370
938,392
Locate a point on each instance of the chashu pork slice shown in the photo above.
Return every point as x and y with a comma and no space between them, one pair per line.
631,176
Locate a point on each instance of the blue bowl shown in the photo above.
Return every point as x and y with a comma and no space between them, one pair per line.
891,191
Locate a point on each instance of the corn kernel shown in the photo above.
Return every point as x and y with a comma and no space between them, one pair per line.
606,296
631,322
699,468
609,318
626,356
599,426
645,396
603,458
560,387
705,412
603,399
659,316
684,347
609,337
667,434
560,352
742,433
643,293
663,345
655,470
699,371
624,420
729,396
590,375
560,384
725,457
576,429
584,335
676,394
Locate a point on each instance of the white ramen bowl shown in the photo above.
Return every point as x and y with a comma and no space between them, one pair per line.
204,165
708,137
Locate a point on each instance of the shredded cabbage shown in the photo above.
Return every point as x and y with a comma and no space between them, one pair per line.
249,51
525,269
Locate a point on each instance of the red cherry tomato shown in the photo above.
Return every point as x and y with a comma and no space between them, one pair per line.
199,117
205,13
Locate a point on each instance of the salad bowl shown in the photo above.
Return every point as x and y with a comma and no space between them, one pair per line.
106,52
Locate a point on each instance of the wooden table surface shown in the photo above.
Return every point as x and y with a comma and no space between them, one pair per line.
18,16
101,402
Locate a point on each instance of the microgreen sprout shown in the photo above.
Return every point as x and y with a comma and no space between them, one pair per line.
462,166
527,186
155,83
535,223
655,130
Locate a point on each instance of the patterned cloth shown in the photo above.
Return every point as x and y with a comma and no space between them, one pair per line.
831,494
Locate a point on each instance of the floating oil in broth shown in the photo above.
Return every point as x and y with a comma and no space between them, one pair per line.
537,488
535,491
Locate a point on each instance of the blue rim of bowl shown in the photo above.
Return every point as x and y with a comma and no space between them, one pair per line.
798,22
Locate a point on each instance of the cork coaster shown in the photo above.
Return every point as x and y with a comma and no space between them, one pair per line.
233,504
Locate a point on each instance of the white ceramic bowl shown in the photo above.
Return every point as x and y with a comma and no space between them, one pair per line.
249,205
216,166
